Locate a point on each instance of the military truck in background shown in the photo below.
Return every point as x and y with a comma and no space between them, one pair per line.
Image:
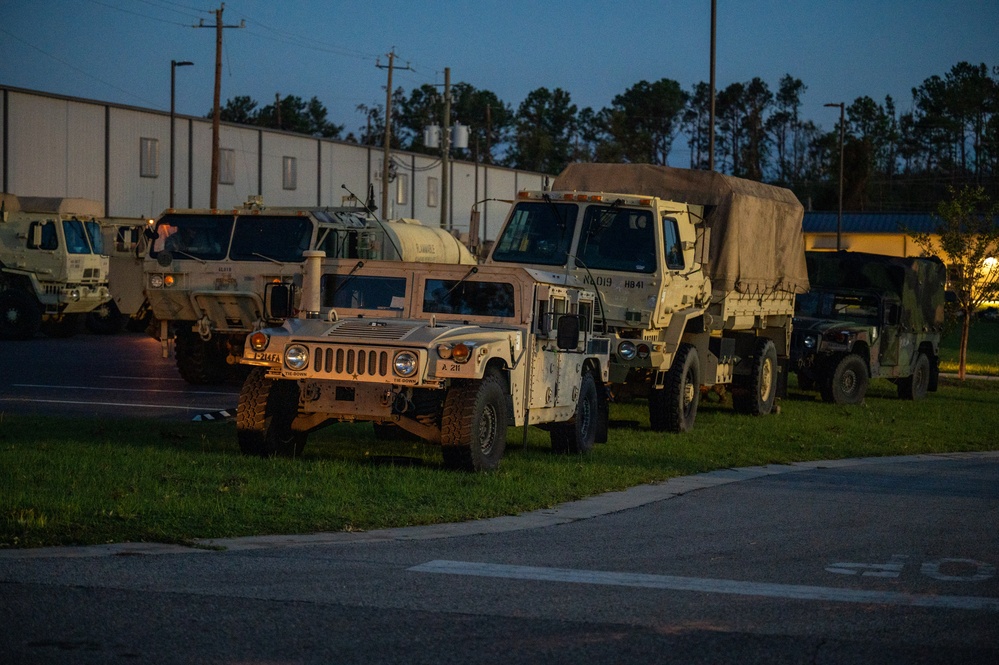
869,316
453,354
125,243
52,267
695,274
209,274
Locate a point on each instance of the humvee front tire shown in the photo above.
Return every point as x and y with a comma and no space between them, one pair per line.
848,382
20,315
473,427
266,410
755,394
579,434
914,387
673,408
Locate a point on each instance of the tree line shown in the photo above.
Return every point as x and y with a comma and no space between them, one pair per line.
891,161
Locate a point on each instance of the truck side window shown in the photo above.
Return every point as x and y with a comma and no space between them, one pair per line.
49,238
674,250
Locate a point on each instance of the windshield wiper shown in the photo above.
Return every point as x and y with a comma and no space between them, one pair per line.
267,258
468,274
349,276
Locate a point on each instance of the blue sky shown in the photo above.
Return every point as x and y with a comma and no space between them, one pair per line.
120,50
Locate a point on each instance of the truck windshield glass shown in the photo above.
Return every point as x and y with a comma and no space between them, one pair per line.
539,232
196,236
262,238
620,239
96,239
859,308
76,237
450,296
360,292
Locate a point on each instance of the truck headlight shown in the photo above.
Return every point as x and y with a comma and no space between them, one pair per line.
405,363
627,350
156,281
296,357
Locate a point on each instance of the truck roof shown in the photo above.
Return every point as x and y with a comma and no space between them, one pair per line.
757,244
52,205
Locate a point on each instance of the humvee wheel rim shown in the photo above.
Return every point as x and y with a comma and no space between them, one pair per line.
487,430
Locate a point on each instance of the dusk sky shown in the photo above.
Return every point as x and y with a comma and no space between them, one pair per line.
120,50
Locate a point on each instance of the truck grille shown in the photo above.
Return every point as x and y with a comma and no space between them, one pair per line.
338,362
355,328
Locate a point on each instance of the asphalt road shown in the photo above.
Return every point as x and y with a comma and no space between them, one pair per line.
855,561
111,376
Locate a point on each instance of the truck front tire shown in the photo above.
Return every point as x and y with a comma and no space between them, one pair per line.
200,362
264,416
579,434
848,382
20,315
473,429
673,408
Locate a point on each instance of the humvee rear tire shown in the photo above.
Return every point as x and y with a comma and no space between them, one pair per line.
200,362
106,319
755,394
673,408
473,427
20,315
579,434
267,407
914,387
848,382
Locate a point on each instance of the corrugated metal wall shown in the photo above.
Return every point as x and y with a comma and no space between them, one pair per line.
61,146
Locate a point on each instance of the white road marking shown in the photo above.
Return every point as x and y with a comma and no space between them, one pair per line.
123,390
131,405
703,585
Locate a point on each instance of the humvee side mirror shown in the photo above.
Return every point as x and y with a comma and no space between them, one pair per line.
567,334
279,301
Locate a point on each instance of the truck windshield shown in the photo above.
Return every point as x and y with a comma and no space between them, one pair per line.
76,237
618,239
859,308
261,238
451,296
203,237
361,292
539,232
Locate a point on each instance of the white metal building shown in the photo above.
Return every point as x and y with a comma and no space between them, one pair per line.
120,155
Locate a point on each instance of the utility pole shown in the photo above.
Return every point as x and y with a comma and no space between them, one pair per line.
216,111
711,112
388,129
445,147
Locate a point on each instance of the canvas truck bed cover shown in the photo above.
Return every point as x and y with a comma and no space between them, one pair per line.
756,242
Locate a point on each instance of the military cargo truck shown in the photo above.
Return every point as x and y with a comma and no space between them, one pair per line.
451,353
869,316
125,244
52,269
695,274
208,273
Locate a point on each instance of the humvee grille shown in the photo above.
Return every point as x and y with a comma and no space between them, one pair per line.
345,362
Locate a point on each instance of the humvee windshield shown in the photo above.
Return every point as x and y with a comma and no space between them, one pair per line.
539,232
448,296
859,308
361,292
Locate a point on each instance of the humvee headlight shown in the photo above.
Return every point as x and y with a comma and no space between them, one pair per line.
627,350
461,352
259,341
156,281
405,363
809,341
643,351
296,357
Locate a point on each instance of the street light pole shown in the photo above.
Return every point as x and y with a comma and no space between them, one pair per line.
173,96
839,215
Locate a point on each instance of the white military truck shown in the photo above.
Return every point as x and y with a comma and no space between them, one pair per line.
209,273
696,274
125,244
52,268
453,354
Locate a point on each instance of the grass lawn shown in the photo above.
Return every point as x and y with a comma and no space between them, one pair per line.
66,481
